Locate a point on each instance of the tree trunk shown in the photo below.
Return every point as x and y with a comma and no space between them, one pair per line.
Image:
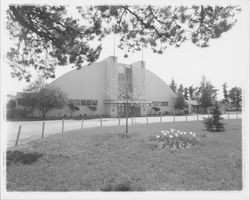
44,113
126,114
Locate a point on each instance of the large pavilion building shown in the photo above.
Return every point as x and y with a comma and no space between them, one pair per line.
104,88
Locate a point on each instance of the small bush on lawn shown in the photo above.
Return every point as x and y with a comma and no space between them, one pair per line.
125,135
14,157
123,187
175,139
213,123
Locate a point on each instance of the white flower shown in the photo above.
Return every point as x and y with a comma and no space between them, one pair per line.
170,136
157,136
176,135
190,133
181,133
184,133
178,131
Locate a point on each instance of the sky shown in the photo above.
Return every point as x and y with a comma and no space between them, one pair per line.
226,60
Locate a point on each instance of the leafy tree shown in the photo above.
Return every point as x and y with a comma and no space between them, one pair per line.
225,93
11,104
30,98
46,37
186,93
191,91
180,103
180,90
173,86
50,97
235,97
11,110
128,94
180,100
73,108
207,94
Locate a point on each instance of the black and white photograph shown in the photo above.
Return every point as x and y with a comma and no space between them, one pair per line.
129,100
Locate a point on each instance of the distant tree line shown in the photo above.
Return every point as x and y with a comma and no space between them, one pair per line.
206,95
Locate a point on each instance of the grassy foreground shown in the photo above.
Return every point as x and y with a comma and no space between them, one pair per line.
106,159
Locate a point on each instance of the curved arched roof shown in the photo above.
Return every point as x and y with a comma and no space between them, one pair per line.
89,83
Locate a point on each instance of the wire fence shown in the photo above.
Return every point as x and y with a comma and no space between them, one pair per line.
21,132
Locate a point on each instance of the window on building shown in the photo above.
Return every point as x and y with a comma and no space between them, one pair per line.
92,102
160,103
83,102
157,103
165,103
75,102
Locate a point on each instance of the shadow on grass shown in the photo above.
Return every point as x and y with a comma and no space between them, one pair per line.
122,187
14,157
126,135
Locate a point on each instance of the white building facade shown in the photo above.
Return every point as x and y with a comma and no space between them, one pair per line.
95,89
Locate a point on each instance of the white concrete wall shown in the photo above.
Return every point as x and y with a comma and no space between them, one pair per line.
87,83
138,80
158,90
99,81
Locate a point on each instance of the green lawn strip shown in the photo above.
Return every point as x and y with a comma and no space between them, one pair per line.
105,158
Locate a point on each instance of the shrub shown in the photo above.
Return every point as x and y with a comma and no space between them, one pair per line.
175,139
213,123
17,113
14,157
123,187
156,109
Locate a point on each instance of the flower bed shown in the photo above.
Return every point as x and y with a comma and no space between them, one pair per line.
175,139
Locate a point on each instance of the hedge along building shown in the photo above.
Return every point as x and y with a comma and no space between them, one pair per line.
96,90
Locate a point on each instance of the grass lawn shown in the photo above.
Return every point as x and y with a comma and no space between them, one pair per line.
108,159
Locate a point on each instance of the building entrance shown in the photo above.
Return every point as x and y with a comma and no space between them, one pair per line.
133,110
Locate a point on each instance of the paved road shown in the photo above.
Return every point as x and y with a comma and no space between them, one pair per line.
32,129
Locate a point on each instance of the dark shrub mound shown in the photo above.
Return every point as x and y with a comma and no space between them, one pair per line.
126,135
14,157
122,187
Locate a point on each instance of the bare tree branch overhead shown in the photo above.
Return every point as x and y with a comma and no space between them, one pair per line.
47,36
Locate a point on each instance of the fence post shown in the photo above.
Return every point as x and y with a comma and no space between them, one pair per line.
18,134
197,117
147,119
62,125
186,118
227,115
82,124
161,118
132,118
43,129
101,121
174,118
236,115
119,120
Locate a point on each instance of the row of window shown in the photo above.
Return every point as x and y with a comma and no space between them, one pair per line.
160,103
83,102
